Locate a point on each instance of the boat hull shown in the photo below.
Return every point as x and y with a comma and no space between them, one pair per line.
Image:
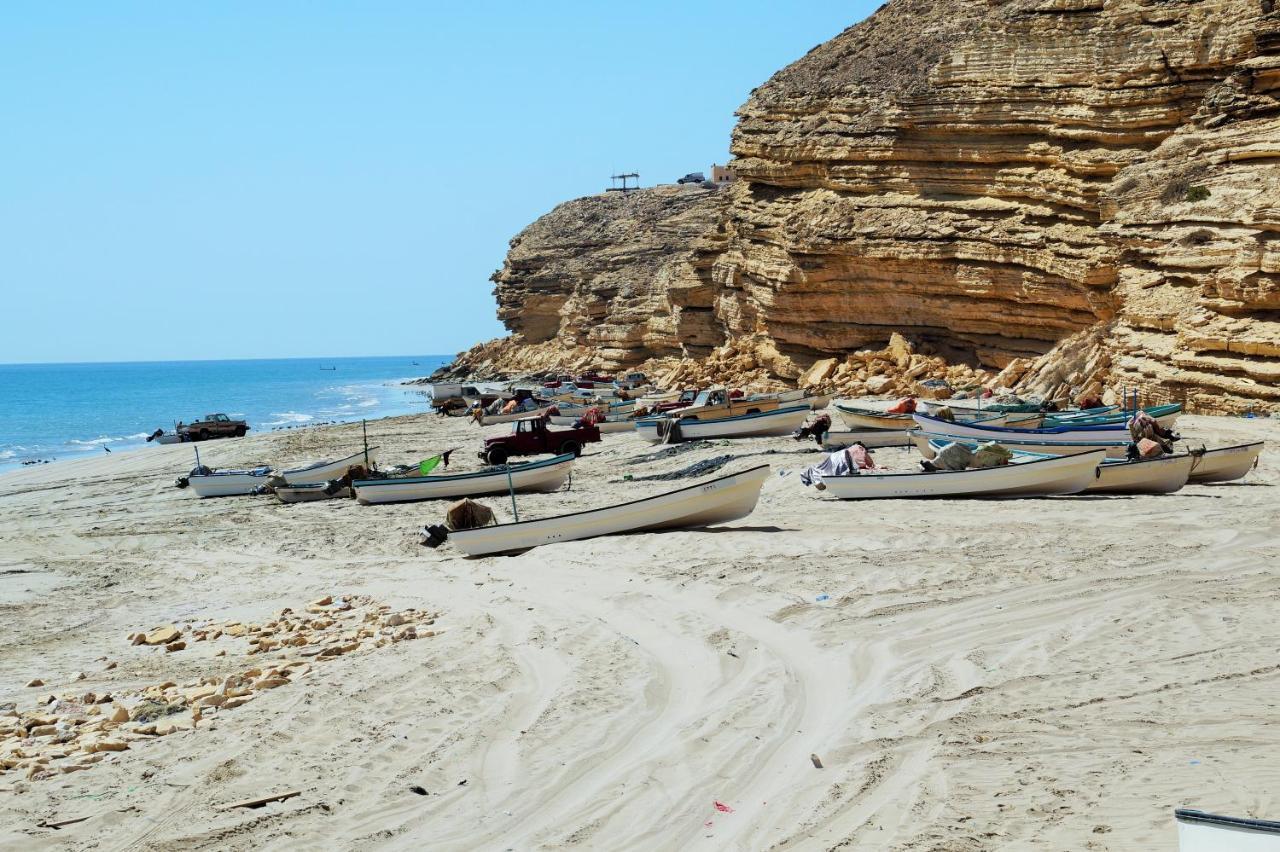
319,474
310,493
1226,463
490,419
718,501
226,484
1143,476
1113,449
986,431
782,421
1038,478
546,475
606,427
1204,832
870,438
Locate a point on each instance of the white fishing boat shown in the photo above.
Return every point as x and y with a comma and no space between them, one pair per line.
781,421
168,438
491,419
311,492
1163,475
606,427
613,409
228,483
1031,478
545,475
987,431
716,501
323,471
1225,463
1204,832
861,417
872,439
1113,449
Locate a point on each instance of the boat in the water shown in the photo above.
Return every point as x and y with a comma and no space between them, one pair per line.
1163,475
782,421
227,483
1225,464
1199,831
715,501
321,472
1031,478
545,475
1043,446
872,439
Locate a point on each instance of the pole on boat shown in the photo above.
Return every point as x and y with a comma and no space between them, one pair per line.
364,430
512,488
197,449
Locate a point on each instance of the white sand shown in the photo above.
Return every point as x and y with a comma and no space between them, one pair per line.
1054,674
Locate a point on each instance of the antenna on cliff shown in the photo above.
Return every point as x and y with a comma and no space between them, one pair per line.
624,178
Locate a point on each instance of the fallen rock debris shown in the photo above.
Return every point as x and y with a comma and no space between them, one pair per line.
70,733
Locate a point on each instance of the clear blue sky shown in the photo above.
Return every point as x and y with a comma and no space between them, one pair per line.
225,180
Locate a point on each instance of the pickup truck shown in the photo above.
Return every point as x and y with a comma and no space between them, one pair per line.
212,426
530,436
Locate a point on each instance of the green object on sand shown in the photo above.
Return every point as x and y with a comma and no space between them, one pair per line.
426,466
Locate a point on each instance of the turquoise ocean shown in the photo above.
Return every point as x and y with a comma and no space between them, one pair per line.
64,411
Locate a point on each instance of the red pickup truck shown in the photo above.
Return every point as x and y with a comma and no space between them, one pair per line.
531,436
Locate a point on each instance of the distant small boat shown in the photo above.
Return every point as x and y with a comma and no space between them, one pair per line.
328,368
1204,832
715,501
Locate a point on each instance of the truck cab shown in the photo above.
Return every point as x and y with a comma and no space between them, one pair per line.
532,436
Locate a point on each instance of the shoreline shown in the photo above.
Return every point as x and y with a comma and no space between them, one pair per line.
961,668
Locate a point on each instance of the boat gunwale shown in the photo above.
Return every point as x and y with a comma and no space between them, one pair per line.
1001,430
319,465
1111,462
1261,826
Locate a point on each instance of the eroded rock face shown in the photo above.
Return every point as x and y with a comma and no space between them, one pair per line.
1077,193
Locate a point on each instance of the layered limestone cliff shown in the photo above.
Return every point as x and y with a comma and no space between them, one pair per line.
1076,194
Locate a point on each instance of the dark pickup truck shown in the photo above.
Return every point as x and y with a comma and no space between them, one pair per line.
531,436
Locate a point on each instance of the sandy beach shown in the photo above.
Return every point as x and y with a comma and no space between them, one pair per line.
1053,673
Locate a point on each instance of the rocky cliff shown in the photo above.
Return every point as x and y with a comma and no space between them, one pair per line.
1075,194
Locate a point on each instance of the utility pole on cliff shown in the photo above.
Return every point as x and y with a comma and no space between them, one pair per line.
624,178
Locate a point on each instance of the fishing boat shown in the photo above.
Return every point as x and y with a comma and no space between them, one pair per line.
716,501
1204,832
545,475
491,419
613,409
607,426
782,421
1225,464
1031,478
858,417
321,472
872,439
227,483
1043,446
312,491
1165,415
1163,475
167,438
987,431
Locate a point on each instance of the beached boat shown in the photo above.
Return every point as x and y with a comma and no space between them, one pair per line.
1043,446
715,403
860,417
1165,415
986,431
716,501
324,471
1225,463
870,438
228,483
1031,478
545,475
1163,475
782,421
1204,832
606,427
613,409
311,492
491,419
